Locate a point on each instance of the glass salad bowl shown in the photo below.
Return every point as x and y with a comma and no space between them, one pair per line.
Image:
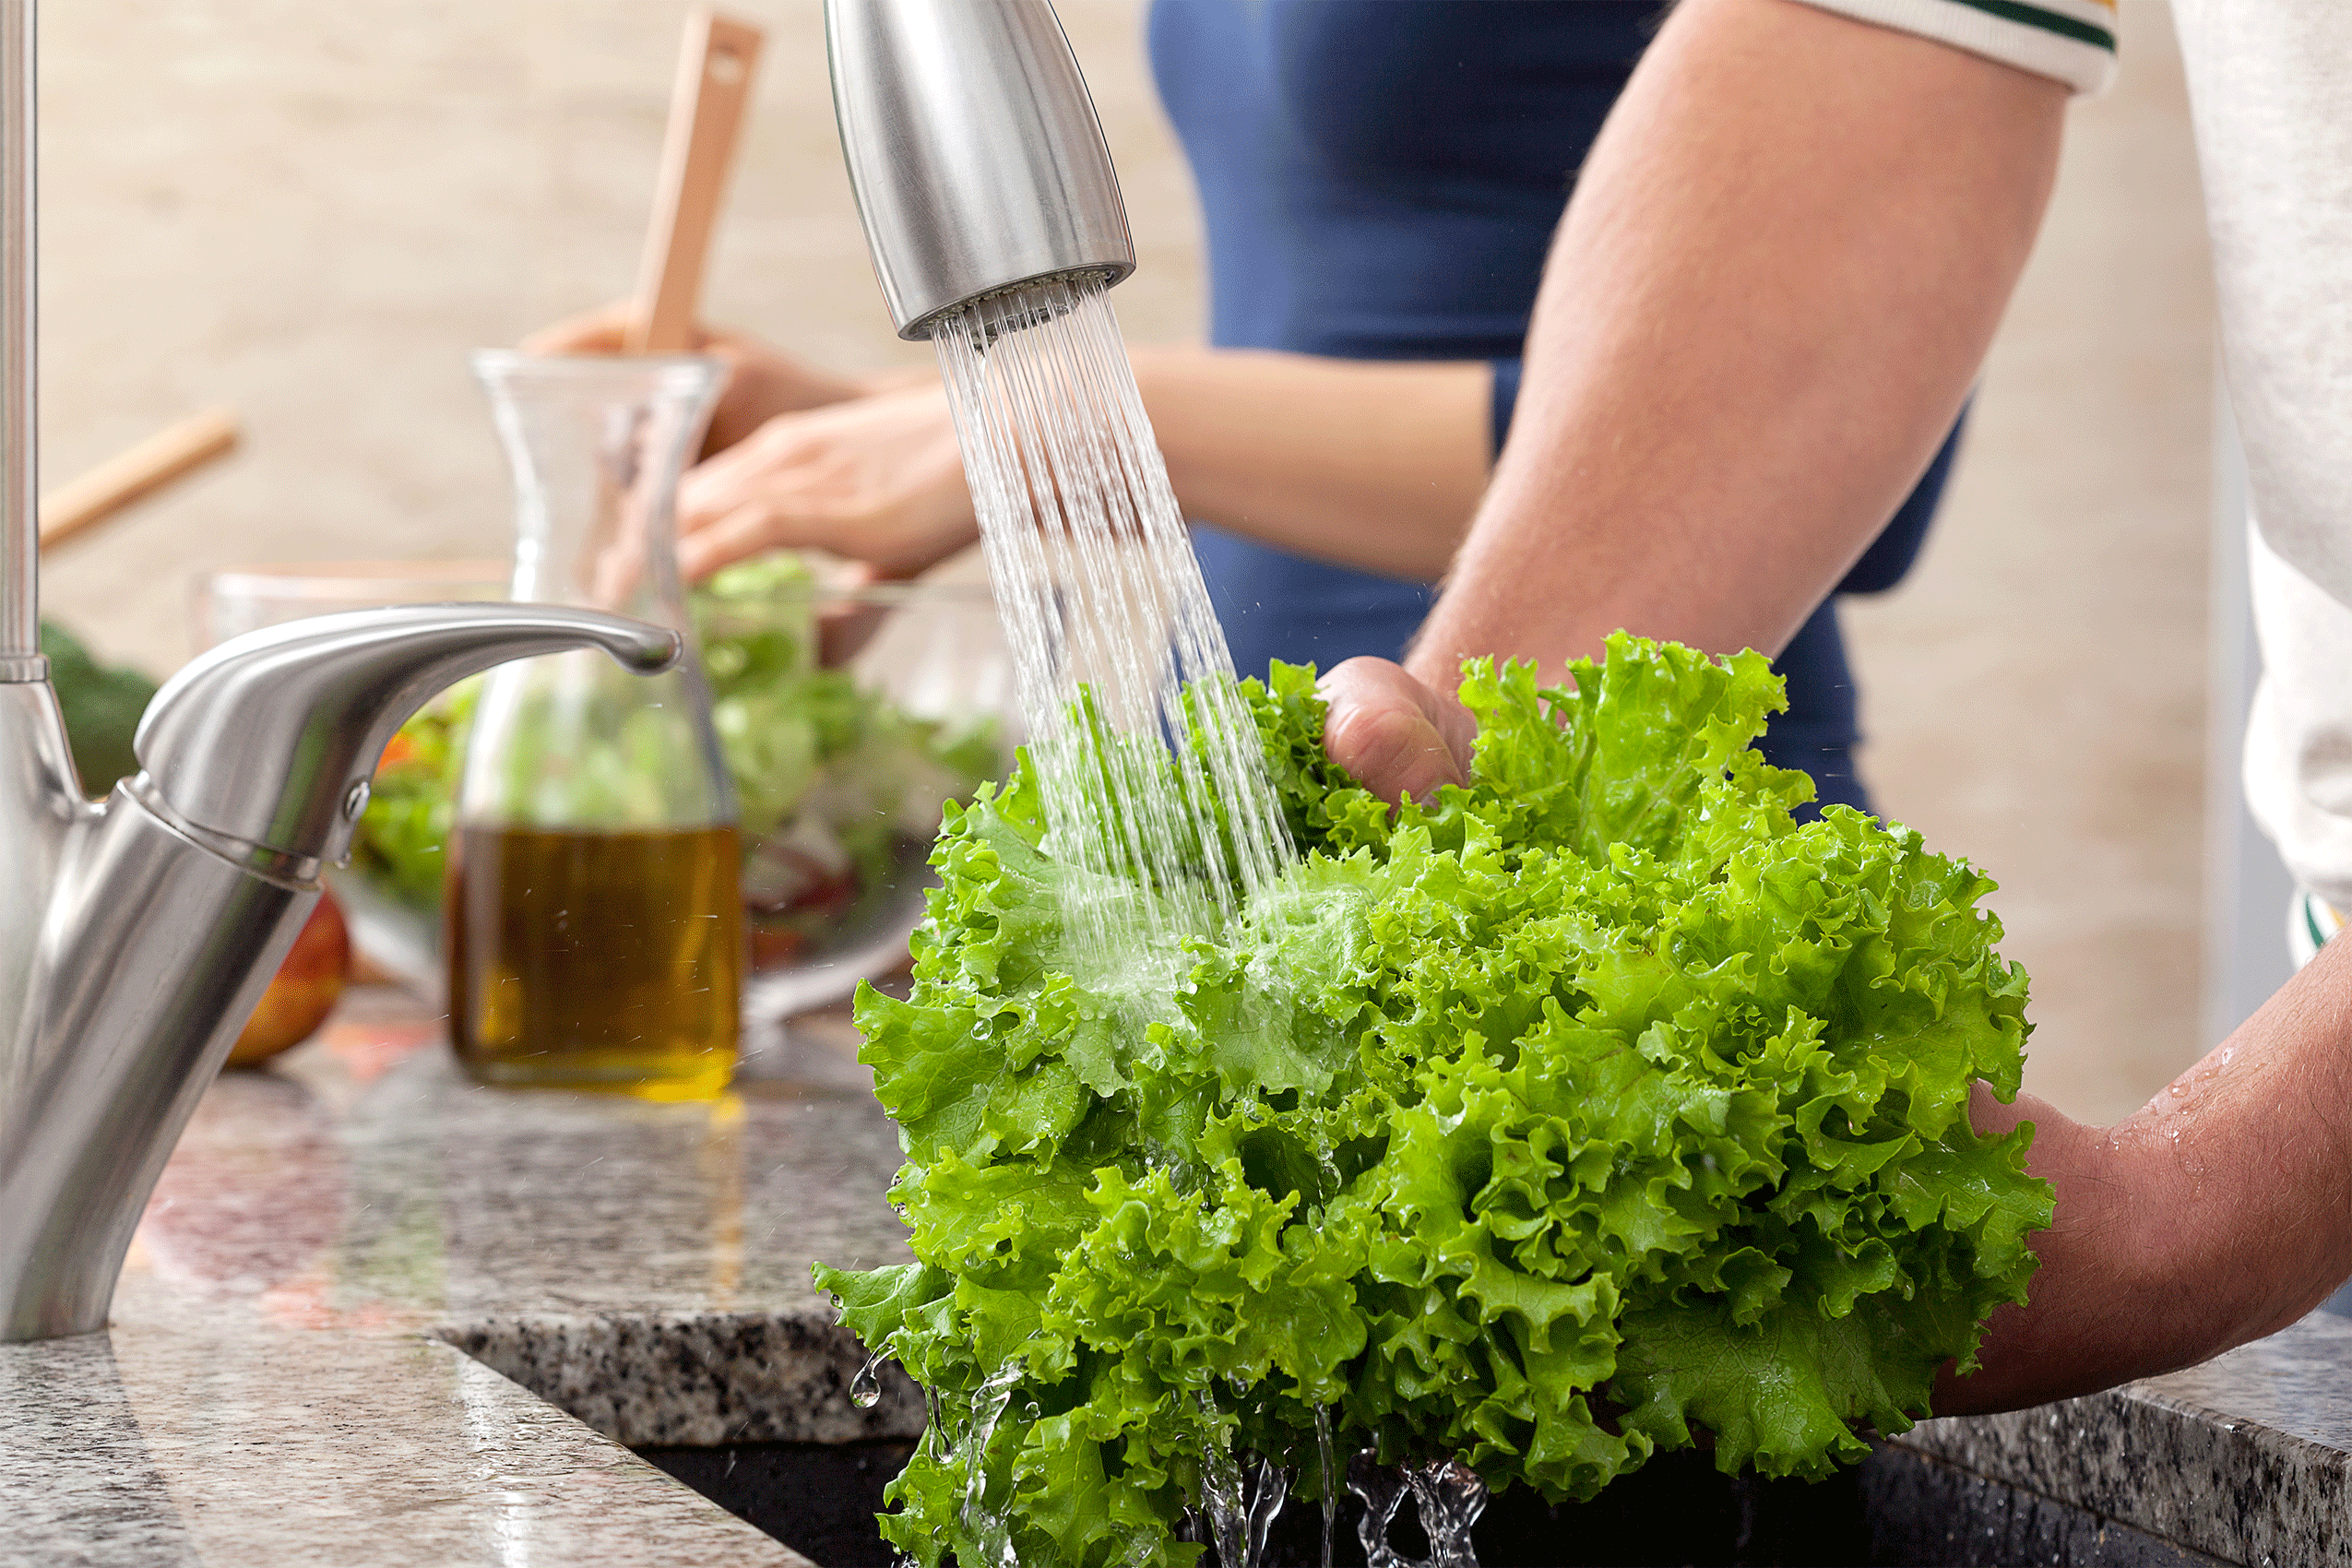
236,599
847,714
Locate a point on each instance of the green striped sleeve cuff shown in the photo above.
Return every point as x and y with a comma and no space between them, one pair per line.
2073,41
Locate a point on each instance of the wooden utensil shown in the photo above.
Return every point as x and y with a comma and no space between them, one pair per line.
85,502
706,112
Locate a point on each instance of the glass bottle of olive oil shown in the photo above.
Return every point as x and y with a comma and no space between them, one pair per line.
595,933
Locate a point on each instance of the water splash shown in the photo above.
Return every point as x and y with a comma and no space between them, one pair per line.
1236,1516
1110,621
1225,1503
1381,1488
1327,1455
1154,789
1266,1498
988,1526
1450,1498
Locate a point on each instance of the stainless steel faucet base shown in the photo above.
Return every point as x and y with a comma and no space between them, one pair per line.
148,982
140,933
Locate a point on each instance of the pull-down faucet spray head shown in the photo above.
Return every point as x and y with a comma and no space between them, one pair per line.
977,158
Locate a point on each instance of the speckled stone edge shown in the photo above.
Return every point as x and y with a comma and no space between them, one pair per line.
2163,1457
2237,1490
1928,1514
697,1380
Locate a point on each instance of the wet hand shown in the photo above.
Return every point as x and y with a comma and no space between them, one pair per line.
877,480
762,381
1392,734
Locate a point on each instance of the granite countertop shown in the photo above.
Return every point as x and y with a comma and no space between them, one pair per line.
377,1315
2247,1460
283,1380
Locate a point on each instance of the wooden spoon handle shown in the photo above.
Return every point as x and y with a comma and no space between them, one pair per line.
89,500
705,111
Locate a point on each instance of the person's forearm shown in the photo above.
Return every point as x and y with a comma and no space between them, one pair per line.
898,378
1372,465
2218,1213
1775,281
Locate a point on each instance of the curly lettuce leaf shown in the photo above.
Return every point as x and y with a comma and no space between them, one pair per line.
1595,1108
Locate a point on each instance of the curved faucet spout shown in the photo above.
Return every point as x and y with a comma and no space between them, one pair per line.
267,742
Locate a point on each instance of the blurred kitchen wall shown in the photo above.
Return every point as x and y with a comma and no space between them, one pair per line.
311,212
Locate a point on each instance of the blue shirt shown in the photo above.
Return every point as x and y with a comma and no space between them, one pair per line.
1380,180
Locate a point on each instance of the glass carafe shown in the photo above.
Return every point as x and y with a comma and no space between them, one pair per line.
594,916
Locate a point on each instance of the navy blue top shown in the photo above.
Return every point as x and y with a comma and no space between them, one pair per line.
1380,180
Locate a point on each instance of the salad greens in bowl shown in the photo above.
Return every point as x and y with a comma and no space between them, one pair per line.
848,715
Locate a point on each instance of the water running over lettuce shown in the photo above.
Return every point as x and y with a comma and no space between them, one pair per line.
1597,1109
1116,647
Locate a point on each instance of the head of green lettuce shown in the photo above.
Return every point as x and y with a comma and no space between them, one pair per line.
1597,1107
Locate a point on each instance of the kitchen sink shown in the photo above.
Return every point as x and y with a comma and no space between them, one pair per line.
820,1499
1900,1508
817,1498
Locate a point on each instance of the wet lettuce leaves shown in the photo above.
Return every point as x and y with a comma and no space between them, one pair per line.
1597,1107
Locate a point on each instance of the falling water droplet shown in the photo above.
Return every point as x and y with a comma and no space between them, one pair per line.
865,1389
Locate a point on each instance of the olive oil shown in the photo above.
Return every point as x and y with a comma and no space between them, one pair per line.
597,960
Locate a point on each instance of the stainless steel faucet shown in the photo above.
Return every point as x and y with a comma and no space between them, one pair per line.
974,150
136,934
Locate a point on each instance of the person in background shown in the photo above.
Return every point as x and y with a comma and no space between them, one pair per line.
1781,268
1379,180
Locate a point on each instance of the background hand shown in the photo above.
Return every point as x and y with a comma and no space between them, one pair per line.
762,383
877,480
1392,733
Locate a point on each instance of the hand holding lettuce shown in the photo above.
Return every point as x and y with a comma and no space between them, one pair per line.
1595,1108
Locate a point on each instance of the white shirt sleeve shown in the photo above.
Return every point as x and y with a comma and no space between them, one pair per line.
2298,736
2072,40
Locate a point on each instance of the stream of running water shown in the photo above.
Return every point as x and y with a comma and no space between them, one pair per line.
1110,621
1237,1514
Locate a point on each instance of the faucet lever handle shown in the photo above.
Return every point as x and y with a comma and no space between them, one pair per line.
261,741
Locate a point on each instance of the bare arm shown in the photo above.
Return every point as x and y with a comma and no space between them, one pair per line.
1784,261
1781,267
1373,465
2219,1212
